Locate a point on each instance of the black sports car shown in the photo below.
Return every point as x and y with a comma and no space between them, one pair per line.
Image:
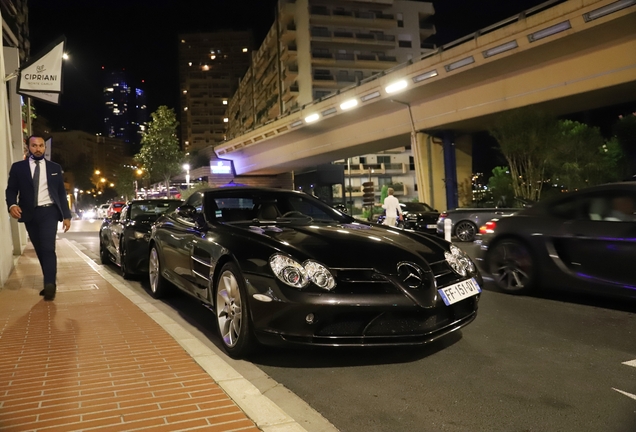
580,241
123,238
279,266
418,216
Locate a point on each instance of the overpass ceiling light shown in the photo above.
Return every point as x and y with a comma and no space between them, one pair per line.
370,96
459,63
312,118
396,86
425,76
549,31
351,103
329,111
500,49
609,9
296,123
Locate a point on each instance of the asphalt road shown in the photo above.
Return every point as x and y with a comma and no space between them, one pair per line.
551,362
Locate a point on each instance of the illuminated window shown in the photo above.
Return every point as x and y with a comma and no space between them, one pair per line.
244,49
189,63
224,102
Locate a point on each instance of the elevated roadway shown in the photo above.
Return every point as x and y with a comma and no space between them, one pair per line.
569,57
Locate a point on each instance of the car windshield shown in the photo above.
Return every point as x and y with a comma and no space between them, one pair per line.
257,206
151,209
416,207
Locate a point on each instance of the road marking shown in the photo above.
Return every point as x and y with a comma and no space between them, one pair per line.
625,393
631,363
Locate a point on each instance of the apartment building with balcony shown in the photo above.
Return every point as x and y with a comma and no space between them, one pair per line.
210,67
317,47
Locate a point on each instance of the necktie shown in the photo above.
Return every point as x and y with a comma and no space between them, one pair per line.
36,182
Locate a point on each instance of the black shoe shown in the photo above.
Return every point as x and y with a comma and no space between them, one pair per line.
49,291
42,292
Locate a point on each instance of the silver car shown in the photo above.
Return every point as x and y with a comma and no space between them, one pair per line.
466,221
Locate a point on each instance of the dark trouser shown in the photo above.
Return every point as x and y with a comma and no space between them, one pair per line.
42,231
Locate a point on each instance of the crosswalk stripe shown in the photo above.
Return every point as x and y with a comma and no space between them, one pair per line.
631,363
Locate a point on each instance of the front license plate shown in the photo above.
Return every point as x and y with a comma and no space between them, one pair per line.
431,226
459,291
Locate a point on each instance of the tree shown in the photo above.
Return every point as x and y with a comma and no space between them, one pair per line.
500,186
526,138
625,132
582,157
125,182
160,154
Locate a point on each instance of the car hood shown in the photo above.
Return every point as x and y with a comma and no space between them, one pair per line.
352,245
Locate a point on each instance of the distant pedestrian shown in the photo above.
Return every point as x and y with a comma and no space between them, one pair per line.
393,209
36,196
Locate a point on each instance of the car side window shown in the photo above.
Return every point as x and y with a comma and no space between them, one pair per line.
196,201
621,207
566,209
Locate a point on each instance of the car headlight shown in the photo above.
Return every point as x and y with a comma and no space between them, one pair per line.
297,275
459,261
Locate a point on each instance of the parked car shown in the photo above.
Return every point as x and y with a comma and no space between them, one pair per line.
465,222
123,238
418,216
102,211
580,241
282,267
114,207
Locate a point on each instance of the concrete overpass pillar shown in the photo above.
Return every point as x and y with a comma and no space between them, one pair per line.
450,169
429,170
464,169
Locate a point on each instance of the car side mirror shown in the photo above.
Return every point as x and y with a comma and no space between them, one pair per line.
187,212
115,217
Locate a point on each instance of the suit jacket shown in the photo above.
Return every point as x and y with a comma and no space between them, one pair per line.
20,189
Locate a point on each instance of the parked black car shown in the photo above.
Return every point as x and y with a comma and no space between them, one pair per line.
580,241
417,216
123,238
282,267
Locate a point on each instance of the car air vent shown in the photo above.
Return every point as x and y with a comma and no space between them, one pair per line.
443,273
361,281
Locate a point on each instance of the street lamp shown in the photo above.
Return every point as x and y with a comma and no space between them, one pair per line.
186,167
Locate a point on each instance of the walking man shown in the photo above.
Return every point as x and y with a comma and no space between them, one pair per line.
393,209
36,196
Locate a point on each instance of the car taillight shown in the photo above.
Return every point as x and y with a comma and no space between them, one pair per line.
489,228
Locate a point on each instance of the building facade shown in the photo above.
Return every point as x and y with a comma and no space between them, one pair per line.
317,47
125,110
210,66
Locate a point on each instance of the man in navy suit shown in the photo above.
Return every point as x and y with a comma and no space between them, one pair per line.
36,196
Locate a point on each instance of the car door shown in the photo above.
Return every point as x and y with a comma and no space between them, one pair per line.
601,246
116,231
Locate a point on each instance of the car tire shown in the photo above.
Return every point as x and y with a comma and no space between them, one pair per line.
232,313
465,231
158,284
512,266
103,254
123,265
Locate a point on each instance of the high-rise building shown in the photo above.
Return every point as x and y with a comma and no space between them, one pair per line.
317,47
210,67
125,110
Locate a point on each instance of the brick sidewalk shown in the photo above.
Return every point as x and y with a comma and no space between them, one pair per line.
92,360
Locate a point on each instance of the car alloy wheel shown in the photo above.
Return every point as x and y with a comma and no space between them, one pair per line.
512,266
465,231
123,266
158,284
103,254
231,310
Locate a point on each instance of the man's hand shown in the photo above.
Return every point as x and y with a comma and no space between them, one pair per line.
15,211
67,224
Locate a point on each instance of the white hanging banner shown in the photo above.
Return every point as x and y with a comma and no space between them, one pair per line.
41,77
